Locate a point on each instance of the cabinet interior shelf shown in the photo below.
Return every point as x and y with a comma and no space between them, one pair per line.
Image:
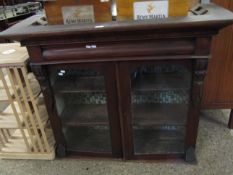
159,141
144,115
161,82
143,83
88,139
80,84
160,114
85,115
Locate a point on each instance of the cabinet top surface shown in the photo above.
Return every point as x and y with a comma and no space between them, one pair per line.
216,18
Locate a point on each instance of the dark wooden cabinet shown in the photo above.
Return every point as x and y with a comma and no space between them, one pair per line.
130,90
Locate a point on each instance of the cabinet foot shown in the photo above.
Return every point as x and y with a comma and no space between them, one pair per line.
190,156
230,124
60,151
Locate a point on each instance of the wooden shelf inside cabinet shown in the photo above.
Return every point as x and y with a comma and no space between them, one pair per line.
88,139
155,141
161,82
160,114
85,115
144,115
80,85
159,147
160,134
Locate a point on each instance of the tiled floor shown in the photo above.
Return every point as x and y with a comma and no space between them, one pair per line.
214,154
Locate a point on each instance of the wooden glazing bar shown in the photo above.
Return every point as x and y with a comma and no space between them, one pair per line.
30,113
15,111
24,113
38,118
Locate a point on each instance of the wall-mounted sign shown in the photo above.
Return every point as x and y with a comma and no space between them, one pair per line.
78,14
150,10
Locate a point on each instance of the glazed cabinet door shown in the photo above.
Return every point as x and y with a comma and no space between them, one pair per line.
155,103
86,104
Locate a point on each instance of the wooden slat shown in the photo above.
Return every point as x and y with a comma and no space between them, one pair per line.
25,102
36,111
6,134
2,136
33,156
22,111
3,95
14,109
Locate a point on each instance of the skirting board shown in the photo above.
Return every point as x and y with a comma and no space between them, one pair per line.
28,156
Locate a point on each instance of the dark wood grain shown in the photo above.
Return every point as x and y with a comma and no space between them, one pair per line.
113,109
218,93
125,109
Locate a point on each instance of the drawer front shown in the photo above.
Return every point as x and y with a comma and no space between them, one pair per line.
118,50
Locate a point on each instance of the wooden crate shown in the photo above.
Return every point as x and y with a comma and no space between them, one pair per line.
24,119
102,9
125,8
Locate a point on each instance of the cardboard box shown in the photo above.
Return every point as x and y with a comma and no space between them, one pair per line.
78,11
125,8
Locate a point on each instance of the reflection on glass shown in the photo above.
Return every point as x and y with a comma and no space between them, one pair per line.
81,104
160,98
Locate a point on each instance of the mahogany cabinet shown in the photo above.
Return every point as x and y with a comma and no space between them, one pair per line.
130,90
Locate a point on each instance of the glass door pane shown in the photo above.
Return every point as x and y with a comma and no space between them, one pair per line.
160,101
82,107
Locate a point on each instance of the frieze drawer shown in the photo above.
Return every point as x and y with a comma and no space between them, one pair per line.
113,50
